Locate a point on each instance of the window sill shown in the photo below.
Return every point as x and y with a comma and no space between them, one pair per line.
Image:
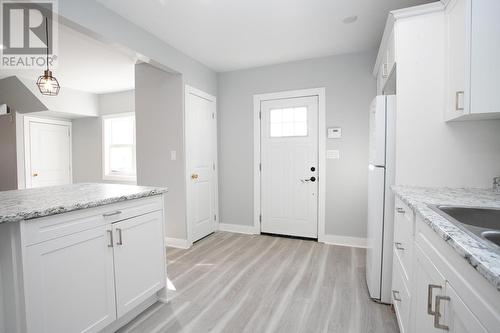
120,178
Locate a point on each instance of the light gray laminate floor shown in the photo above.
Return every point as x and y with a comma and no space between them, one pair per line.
240,283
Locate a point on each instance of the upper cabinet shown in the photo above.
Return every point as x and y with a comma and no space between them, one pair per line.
387,55
472,59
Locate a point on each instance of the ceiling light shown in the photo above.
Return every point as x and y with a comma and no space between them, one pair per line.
350,19
47,84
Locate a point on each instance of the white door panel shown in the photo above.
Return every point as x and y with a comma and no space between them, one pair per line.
289,149
201,150
49,154
139,260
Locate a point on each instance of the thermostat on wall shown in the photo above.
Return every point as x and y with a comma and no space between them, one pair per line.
334,133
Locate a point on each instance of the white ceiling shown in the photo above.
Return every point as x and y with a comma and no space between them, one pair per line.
87,65
234,34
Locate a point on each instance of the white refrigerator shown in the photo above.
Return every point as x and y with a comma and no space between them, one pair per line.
380,198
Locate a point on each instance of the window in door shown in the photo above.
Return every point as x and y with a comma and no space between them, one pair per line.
288,122
119,147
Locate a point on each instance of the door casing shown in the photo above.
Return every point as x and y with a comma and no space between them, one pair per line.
257,100
193,91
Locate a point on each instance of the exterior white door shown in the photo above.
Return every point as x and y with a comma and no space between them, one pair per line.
289,166
48,152
201,155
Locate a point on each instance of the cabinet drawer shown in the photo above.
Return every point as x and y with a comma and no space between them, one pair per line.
403,237
51,227
400,296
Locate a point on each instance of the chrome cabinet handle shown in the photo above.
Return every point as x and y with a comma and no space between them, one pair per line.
437,314
398,246
110,233
457,98
116,212
429,298
120,240
400,210
395,295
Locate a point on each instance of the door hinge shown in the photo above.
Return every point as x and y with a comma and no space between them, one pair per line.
213,166
215,217
260,167
213,115
260,114
260,218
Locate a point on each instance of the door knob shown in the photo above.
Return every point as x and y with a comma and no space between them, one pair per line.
313,179
194,176
35,174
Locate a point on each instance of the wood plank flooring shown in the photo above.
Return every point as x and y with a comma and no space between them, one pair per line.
253,283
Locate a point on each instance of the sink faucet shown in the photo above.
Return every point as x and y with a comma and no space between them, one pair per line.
496,184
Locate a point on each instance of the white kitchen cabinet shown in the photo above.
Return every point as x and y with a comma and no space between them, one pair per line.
139,260
387,59
457,316
429,283
472,59
69,283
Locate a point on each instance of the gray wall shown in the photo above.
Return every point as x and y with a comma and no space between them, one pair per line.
350,87
159,115
8,158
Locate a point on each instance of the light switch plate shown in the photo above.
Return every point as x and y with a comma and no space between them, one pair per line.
173,155
334,133
333,154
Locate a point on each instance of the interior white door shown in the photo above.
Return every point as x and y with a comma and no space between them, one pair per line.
201,154
289,166
48,153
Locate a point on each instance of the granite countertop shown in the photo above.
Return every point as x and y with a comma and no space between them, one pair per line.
484,258
28,204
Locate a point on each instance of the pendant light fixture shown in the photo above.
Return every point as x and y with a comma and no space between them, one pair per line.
48,84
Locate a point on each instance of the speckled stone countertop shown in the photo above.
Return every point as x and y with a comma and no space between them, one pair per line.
483,257
28,204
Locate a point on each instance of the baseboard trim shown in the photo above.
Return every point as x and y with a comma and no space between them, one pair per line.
240,229
344,241
177,242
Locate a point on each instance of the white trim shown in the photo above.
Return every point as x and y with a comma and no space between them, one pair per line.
178,243
240,229
194,91
121,178
257,99
27,147
345,241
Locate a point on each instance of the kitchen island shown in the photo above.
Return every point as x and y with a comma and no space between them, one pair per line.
82,257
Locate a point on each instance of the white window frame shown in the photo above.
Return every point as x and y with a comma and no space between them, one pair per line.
117,177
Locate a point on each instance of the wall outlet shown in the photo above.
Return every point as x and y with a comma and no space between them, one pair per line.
333,154
173,155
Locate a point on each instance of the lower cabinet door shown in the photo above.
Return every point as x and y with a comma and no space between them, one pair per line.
139,256
69,283
458,317
429,284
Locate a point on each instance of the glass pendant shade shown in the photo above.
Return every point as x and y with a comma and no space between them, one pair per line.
48,84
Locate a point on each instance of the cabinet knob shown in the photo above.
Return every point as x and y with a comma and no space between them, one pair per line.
194,176
35,174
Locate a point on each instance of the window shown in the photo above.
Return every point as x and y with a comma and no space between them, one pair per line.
288,122
119,147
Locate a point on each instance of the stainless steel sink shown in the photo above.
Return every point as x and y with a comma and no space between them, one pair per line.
483,223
